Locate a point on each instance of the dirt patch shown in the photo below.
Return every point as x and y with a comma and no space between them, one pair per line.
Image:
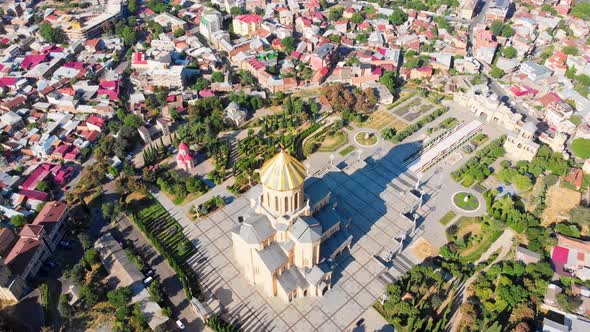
559,202
422,249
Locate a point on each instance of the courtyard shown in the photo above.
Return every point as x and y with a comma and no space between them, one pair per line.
372,193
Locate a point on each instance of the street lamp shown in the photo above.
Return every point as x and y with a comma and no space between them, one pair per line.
332,160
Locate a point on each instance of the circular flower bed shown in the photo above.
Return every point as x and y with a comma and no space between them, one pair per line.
366,138
465,201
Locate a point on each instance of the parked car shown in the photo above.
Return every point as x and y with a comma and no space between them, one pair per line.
65,243
148,280
149,273
179,324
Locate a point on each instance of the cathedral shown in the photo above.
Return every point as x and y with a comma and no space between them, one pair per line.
287,244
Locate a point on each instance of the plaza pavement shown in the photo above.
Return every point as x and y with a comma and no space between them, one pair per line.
370,188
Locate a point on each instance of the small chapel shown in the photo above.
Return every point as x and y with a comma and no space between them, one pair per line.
184,158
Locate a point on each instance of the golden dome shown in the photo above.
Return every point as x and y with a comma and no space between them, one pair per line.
282,172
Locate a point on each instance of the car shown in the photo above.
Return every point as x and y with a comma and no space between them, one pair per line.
148,280
179,324
360,322
64,243
51,264
149,273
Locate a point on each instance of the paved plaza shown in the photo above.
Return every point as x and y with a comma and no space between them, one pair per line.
373,191
373,194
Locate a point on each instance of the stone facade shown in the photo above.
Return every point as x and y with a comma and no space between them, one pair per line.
285,247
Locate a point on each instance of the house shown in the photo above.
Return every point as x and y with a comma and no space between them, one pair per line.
234,115
575,177
246,25
323,56
526,256
498,10
571,257
124,273
535,71
38,240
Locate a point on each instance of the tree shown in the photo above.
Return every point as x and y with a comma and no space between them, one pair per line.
235,11
19,220
389,79
570,50
64,306
398,17
178,33
581,10
580,216
509,52
133,120
335,13
132,6
581,148
42,186
128,35
217,77
496,27
91,256
496,72
357,18
51,34
85,240
289,43
119,297
201,84
507,31
89,296
155,291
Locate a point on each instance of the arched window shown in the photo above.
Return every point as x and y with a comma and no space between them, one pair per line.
262,198
286,203
296,203
276,203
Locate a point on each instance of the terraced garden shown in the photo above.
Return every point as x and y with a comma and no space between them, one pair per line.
166,235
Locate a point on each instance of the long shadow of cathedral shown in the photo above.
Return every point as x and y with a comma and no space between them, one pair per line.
376,200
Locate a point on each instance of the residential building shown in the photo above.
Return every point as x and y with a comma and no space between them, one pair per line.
571,257
519,145
535,71
323,56
498,10
38,240
246,25
124,273
234,115
211,21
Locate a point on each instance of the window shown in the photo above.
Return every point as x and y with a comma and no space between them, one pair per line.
261,198
286,203
276,203
296,203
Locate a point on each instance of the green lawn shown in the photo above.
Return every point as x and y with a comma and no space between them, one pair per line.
466,201
581,148
347,150
361,139
472,237
330,143
448,217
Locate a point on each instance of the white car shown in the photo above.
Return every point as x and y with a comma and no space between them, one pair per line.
147,280
179,324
